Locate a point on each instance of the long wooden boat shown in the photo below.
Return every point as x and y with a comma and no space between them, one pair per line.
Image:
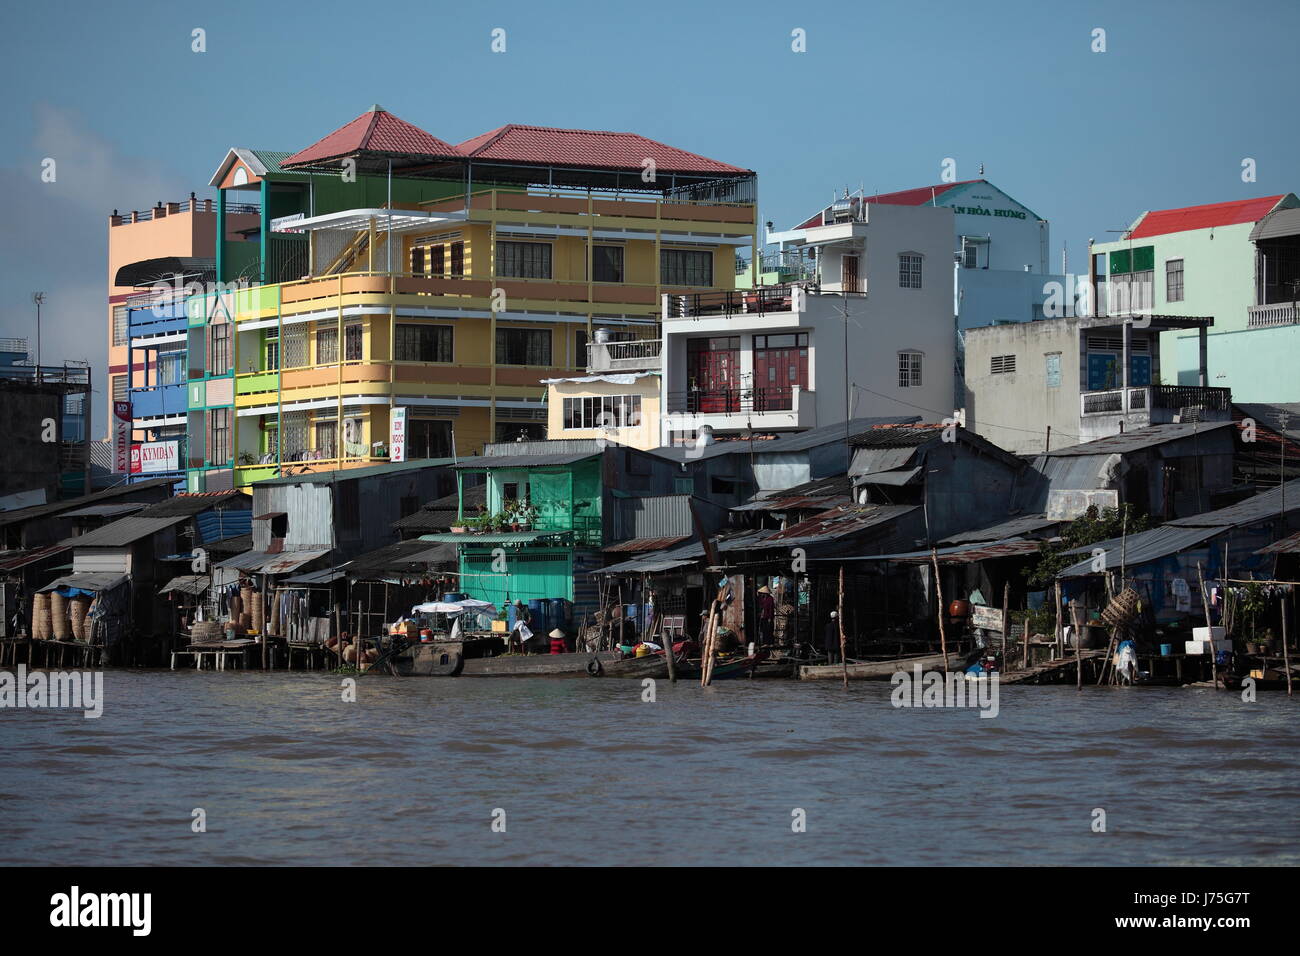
536,665
724,668
879,670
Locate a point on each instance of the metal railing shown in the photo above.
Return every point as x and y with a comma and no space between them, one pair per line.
165,209
729,302
633,354
732,401
1150,398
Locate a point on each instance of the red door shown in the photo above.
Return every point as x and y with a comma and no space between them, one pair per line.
713,367
780,363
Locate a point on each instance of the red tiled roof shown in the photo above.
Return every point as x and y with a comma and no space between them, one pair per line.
589,149
1163,221
904,197
374,131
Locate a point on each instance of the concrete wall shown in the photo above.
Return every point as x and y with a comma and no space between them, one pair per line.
1014,409
30,462
1259,365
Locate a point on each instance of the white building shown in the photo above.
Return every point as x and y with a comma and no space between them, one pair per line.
788,358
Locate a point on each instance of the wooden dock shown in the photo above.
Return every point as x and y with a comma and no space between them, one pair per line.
1059,671
51,653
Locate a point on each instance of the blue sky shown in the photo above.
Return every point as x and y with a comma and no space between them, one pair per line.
884,93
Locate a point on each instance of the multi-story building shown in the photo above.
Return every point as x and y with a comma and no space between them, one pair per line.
1040,385
397,271
147,247
871,336
1212,260
44,414
618,398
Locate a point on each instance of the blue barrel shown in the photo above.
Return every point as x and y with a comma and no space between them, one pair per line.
537,608
452,598
562,612
630,611
511,616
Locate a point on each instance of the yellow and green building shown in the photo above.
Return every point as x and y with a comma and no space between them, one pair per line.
395,276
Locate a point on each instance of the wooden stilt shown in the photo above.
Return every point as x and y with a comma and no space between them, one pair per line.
1286,654
938,593
844,660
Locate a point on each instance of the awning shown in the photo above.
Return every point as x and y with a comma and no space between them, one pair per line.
88,582
1139,548
897,478
187,584
315,578
386,220
959,554
455,607
148,271
497,537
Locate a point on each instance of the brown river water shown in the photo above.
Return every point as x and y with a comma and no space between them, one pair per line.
587,773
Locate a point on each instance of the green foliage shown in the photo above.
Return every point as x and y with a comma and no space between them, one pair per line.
1090,527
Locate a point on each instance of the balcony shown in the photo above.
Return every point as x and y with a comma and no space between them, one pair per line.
1100,413
735,302
1271,316
734,409
158,402
639,355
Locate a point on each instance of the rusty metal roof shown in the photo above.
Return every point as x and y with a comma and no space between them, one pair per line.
639,545
1288,545
838,523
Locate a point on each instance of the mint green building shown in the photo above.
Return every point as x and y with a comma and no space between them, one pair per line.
1213,260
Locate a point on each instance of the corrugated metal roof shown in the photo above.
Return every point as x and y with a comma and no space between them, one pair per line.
897,478
1277,225
122,532
88,581
523,461
1160,222
192,503
107,511
1011,528
1139,548
958,554
13,560
590,149
400,557
1288,545
271,563
187,584
61,507
1260,507
1270,414
352,474
1138,439
497,537
325,576
838,523
639,545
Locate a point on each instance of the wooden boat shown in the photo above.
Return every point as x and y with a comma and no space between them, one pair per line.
654,665
536,665
725,667
879,670
776,668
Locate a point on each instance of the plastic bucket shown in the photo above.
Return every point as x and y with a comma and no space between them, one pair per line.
1166,650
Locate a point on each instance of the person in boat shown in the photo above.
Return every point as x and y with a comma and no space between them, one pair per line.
766,615
831,637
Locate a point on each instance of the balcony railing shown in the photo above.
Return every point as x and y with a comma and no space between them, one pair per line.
1153,400
1269,316
623,356
162,210
732,401
760,301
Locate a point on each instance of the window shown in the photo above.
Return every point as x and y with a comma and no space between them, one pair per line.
1053,370
352,342
171,368
457,258
272,355
524,347
520,431
521,260
119,325
417,262
602,411
119,388
683,486
607,263
1002,364
423,343
1174,280
970,254
1131,280
219,356
218,436
327,346
909,369
909,271
685,267
580,349
326,437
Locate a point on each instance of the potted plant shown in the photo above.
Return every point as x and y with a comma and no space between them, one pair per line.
525,515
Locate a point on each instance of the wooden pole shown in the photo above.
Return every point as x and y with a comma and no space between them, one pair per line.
265,642
1076,615
1205,605
1006,617
1286,655
844,661
938,593
1060,625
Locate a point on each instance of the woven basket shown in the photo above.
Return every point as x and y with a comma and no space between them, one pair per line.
80,607
1122,609
41,616
59,620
